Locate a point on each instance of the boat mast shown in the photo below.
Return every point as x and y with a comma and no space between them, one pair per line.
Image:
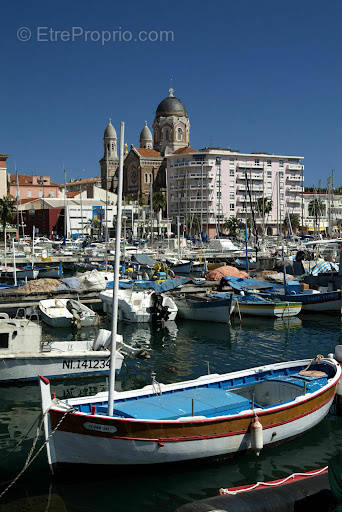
106,216
65,208
116,278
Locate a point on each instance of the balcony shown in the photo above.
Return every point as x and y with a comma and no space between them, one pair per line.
294,167
294,189
250,165
293,178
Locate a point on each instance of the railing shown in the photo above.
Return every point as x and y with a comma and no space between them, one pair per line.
294,167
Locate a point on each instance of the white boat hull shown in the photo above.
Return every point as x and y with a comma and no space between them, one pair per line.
81,449
135,306
61,365
268,310
331,306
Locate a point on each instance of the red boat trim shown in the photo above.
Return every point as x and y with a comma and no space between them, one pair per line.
192,438
260,412
295,477
44,379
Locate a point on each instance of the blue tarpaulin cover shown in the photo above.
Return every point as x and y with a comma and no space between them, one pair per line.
165,286
70,283
143,259
241,283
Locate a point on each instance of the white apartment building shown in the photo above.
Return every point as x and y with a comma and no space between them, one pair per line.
328,208
213,184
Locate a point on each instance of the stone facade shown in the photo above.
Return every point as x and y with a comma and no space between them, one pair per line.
110,159
142,167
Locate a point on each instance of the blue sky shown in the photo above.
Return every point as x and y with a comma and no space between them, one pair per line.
254,76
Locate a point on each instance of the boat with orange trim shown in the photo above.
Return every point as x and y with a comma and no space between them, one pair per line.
196,420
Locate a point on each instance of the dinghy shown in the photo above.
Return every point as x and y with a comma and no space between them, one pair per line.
24,356
210,417
67,313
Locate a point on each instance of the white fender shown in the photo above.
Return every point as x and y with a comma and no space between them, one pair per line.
257,440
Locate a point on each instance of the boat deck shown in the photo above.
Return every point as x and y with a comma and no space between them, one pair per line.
220,398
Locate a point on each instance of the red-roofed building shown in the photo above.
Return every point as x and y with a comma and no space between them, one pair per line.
24,186
3,175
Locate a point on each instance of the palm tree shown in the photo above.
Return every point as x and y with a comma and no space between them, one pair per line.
294,221
7,211
158,201
316,209
231,225
264,206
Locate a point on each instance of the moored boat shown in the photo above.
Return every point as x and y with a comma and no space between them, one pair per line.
24,356
204,307
213,416
67,313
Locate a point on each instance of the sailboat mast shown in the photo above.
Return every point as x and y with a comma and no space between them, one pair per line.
65,207
116,277
106,216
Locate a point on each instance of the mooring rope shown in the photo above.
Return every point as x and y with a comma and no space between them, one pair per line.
30,457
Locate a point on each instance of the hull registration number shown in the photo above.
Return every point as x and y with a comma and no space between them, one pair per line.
86,364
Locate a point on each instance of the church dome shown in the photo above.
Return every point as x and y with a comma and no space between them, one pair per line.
110,132
146,134
171,106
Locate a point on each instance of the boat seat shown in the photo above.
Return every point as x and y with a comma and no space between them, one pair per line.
312,383
171,406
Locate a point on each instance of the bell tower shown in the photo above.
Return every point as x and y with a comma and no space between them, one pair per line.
109,162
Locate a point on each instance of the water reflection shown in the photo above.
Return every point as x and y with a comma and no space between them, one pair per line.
178,352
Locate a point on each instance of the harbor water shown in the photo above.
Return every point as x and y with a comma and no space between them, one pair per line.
180,351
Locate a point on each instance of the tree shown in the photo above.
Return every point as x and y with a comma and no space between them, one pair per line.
264,205
142,201
231,225
316,209
294,221
7,211
128,199
158,201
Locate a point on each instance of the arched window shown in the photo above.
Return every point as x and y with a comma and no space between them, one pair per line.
179,134
167,134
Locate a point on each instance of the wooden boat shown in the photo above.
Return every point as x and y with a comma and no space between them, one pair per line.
204,307
24,356
210,417
314,301
252,305
67,313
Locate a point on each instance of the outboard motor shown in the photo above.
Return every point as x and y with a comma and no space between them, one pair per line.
159,312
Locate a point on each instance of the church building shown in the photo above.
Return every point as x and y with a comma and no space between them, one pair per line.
144,166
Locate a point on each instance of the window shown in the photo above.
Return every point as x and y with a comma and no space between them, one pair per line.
232,185
269,174
4,340
147,177
52,194
269,163
232,206
40,193
219,195
257,161
179,134
232,195
29,193
281,163
231,172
